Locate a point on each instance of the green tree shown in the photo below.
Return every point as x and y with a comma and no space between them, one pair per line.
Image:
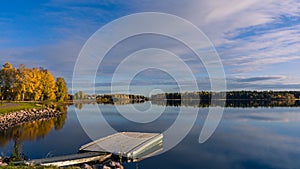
8,78
62,90
79,95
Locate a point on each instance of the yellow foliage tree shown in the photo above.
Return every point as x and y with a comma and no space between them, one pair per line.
36,84
48,86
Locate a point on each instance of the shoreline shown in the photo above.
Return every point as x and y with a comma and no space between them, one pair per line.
16,118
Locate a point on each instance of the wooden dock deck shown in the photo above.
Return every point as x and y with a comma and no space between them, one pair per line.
133,146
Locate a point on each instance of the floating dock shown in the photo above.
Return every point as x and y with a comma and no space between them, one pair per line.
130,145
133,146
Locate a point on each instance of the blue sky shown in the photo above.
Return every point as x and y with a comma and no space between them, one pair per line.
257,41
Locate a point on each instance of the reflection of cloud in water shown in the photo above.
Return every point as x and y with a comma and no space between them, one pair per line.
268,115
242,145
261,118
262,146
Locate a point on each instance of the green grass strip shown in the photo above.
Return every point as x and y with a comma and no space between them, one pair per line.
19,106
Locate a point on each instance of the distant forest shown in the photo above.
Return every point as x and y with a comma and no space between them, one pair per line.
120,99
233,99
203,98
231,95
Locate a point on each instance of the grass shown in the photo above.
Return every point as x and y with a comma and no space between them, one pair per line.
5,108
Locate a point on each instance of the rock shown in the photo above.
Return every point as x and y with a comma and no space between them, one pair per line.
106,167
3,164
23,116
86,166
112,165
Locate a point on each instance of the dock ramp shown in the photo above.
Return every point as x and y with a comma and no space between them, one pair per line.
73,159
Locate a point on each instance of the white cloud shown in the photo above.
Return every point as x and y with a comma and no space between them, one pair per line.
218,17
258,51
222,20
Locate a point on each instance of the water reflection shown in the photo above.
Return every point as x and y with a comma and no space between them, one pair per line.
80,104
30,132
197,103
263,137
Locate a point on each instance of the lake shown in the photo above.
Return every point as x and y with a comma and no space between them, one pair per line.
260,137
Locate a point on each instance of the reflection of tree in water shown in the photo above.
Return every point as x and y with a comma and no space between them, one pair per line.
233,99
79,105
60,120
31,131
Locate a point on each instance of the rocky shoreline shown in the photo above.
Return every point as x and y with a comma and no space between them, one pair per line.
23,116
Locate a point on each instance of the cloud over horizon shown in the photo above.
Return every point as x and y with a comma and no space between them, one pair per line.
258,41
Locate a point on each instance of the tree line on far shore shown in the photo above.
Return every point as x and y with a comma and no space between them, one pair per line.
230,95
31,84
120,98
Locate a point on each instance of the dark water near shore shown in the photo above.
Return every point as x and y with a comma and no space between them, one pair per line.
260,137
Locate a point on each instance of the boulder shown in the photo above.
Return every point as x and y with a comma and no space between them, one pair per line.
86,166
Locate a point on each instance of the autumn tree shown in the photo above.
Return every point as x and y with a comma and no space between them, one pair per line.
48,85
36,84
33,81
7,65
20,88
79,95
62,90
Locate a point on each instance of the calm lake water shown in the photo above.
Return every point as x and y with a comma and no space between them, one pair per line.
245,138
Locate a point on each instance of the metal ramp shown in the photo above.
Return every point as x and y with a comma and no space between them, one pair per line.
73,159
